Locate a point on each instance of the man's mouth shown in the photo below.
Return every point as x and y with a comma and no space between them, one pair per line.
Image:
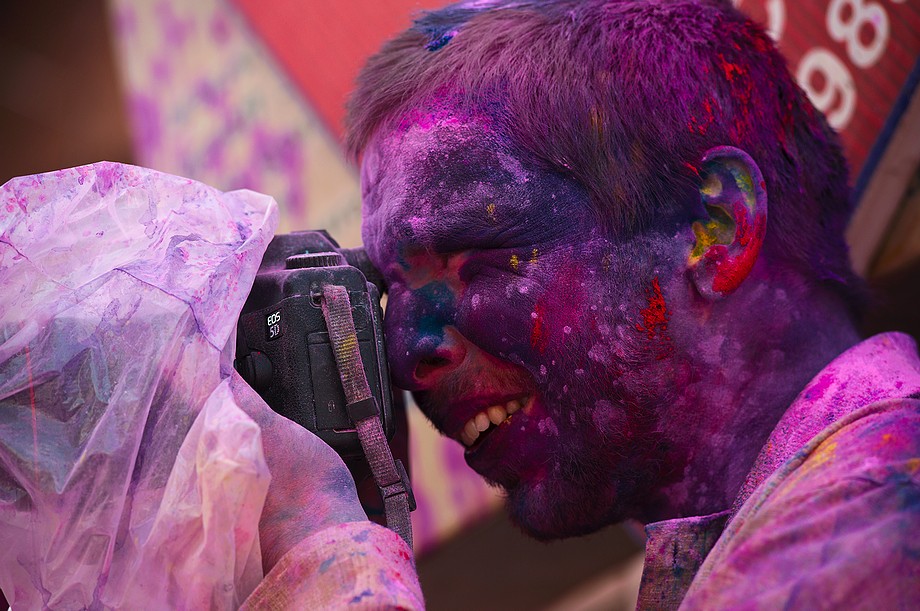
483,423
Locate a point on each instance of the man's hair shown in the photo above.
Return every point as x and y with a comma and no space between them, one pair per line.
625,96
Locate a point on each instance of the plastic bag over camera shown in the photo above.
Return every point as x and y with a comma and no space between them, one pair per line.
121,291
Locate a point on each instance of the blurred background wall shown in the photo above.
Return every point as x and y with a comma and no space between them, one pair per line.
248,94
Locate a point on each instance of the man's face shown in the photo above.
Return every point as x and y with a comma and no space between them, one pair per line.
525,332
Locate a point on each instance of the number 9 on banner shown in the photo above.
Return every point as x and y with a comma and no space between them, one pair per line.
835,95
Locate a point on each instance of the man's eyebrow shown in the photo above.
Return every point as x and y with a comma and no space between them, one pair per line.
462,233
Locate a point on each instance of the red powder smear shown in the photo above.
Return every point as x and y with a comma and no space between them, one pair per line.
738,128
730,271
700,126
708,107
742,93
655,316
760,44
730,69
538,334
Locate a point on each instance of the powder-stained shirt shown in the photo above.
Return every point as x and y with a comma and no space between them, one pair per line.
829,515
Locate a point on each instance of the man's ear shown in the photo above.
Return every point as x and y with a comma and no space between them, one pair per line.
728,239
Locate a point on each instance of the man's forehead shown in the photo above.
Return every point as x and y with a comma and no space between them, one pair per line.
437,144
438,169
444,180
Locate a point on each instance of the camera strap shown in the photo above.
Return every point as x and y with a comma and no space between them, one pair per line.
389,474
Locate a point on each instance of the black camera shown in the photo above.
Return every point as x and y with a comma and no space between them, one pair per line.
283,344
310,342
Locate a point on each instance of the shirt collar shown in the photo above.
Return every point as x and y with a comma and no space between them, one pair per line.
674,551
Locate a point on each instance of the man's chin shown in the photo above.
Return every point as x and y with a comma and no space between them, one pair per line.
554,510
550,494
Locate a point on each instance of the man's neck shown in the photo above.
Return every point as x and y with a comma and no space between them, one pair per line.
738,401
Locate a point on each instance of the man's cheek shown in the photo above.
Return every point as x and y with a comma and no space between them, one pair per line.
572,312
491,317
558,313
523,318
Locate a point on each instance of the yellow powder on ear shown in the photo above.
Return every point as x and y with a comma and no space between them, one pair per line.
706,236
712,187
746,186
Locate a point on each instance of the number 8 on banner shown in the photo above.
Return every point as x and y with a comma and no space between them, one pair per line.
861,14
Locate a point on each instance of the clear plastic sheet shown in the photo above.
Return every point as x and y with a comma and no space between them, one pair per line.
129,477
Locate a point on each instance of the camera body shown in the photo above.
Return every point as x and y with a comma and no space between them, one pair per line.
282,345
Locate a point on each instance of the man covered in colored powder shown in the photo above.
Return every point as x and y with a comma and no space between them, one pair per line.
613,237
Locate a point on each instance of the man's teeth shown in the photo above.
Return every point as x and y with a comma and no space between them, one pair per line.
495,414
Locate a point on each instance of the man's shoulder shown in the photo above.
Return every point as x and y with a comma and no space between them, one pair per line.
879,441
835,525
861,470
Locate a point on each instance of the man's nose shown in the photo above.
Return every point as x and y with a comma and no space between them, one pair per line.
422,346
422,361
433,362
